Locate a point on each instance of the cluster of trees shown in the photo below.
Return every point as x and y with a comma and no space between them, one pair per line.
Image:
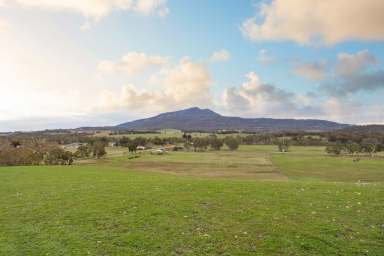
296,139
95,149
132,144
11,155
189,142
142,141
58,156
51,137
36,152
213,142
368,146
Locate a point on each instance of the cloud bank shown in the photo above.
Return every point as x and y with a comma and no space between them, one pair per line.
354,73
361,82
349,64
185,84
256,97
317,22
94,9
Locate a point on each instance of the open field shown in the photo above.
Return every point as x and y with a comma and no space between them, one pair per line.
240,164
250,202
312,163
256,162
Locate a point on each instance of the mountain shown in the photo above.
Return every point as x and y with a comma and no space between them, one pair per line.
196,119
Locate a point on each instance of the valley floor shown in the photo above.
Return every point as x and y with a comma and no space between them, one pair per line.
250,202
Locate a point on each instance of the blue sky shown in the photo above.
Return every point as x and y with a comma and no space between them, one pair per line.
74,63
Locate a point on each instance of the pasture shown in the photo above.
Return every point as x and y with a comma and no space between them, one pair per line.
253,201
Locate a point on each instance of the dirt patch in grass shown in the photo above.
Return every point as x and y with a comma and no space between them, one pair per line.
263,171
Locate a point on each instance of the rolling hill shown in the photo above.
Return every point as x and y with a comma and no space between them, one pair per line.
197,119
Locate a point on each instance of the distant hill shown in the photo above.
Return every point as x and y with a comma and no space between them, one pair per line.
364,129
196,119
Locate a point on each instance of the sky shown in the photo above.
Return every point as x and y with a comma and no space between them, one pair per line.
72,63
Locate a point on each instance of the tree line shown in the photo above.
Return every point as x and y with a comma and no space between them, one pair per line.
17,153
196,143
368,146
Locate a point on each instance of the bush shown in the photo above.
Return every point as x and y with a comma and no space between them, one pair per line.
124,141
132,146
334,149
58,156
283,145
98,149
231,143
353,148
200,143
83,151
216,143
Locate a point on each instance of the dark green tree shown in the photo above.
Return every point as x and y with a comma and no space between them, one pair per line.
98,149
215,143
232,143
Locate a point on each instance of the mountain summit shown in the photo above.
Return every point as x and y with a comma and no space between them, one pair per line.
197,119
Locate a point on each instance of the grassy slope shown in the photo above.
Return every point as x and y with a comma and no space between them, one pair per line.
108,209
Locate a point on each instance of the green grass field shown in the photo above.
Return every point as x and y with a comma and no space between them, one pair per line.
250,202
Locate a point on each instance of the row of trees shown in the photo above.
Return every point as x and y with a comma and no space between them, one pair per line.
141,141
366,146
213,142
189,142
95,149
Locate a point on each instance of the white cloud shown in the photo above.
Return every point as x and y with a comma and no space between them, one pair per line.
3,25
133,63
349,111
40,79
95,9
153,6
183,85
349,64
312,71
328,21
256,97
222,55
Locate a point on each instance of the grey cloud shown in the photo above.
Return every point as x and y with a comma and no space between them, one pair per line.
234,100
258,98
312,71
350,64
367,82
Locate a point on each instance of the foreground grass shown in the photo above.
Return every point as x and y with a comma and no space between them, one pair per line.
106,210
